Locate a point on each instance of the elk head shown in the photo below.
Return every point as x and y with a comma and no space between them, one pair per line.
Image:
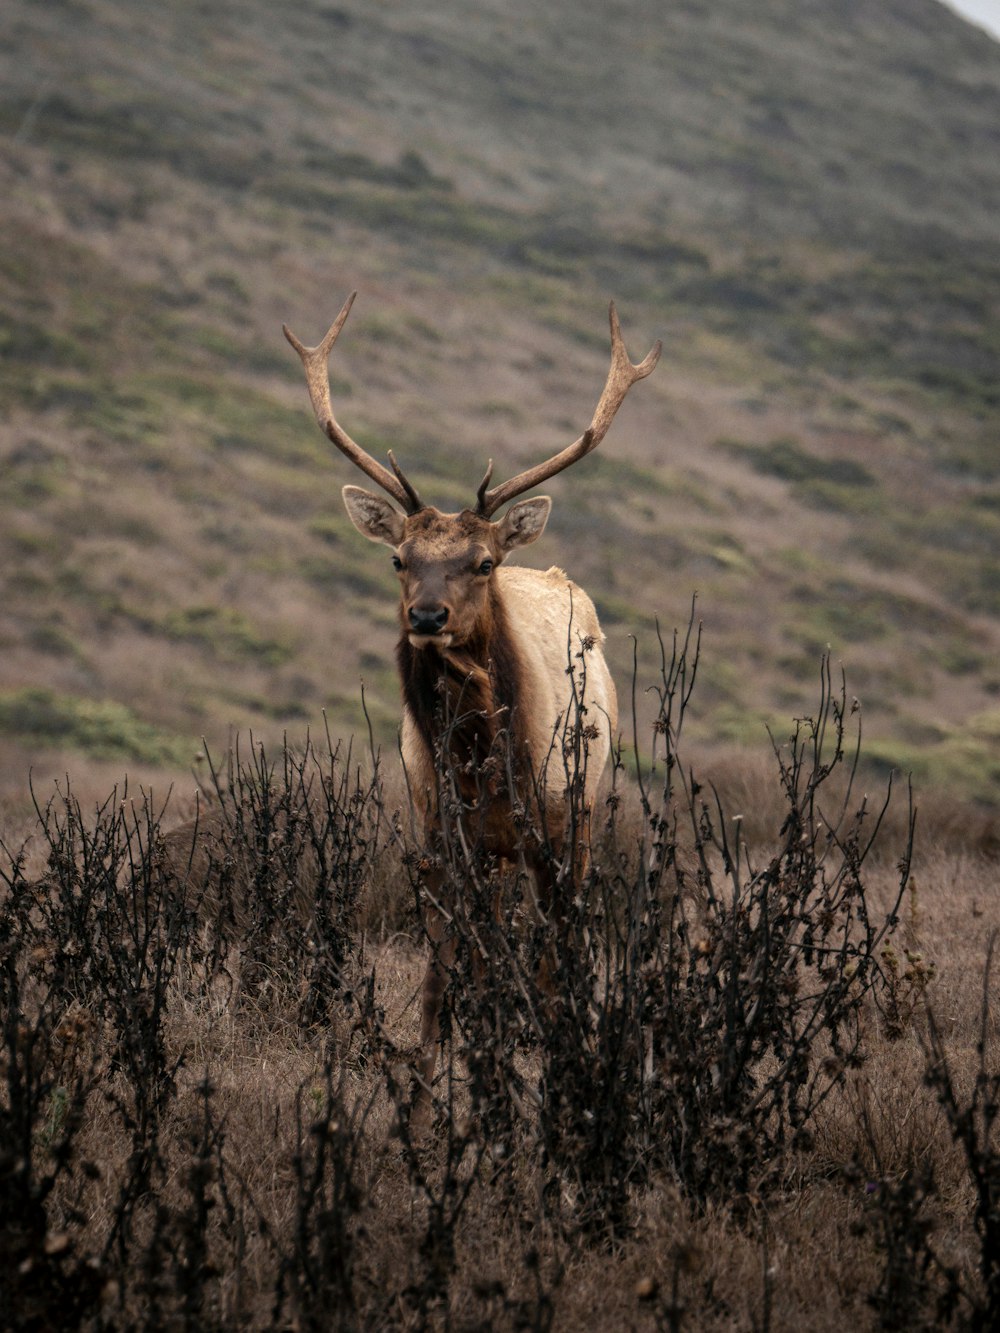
445,562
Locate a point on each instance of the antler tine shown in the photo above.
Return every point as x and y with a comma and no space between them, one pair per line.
315,363
621,376
414,499
481,493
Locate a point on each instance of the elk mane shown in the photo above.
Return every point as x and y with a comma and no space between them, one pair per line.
469,697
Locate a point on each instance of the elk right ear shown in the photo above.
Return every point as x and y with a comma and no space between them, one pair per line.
374,517
524,522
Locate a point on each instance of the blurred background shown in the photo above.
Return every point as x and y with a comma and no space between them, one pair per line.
799,197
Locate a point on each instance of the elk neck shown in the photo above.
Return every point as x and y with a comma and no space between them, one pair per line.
465,698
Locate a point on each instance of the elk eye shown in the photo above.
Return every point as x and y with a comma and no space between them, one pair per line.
397,564
486,567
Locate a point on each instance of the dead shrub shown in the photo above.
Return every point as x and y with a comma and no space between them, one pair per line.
689,1020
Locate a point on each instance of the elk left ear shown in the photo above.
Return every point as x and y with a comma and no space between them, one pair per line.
373,516
524,523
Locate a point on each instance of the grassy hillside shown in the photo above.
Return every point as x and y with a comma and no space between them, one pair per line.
799,199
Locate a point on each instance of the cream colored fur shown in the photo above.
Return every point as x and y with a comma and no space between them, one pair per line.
551,620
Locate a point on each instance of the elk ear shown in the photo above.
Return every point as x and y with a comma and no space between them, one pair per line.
373,516
524,523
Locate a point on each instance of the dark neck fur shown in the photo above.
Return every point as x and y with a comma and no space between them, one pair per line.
465,696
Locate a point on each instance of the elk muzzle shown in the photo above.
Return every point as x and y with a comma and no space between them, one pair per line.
427,621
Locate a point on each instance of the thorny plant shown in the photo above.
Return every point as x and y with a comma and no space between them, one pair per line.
318,1279
919,1288
680,1012
286,848
972,1120
109,931
125,922
699,1005
45,1081
916,1289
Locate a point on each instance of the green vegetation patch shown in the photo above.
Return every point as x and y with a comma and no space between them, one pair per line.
607,475
786,459
227,634
838,484
966,760
235,416
32,341
32,473
409,172
345,575
841,610
433,214
98,727
956,545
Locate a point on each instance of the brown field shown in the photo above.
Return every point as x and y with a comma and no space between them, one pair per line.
208,1036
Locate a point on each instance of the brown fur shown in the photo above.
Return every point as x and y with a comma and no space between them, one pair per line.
476,685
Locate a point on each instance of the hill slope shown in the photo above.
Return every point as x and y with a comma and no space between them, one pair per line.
801,201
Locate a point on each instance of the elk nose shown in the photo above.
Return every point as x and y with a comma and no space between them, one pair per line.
428,619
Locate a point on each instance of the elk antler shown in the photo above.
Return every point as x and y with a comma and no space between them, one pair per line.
622,375
314,361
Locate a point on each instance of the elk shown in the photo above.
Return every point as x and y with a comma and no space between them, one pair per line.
484,659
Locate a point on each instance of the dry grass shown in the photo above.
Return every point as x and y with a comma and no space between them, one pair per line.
807,1257
206,1072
